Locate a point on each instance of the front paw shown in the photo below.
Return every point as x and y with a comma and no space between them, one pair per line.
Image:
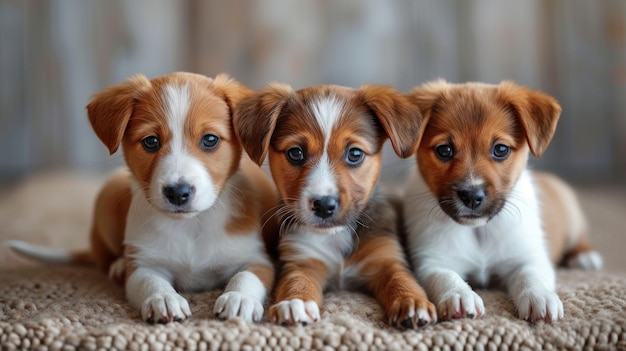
291,312
461,303
539,305
411,312
164,308
236,304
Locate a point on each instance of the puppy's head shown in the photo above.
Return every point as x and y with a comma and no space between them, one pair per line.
176,133
475,140
324,145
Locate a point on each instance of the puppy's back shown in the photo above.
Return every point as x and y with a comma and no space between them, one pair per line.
563,220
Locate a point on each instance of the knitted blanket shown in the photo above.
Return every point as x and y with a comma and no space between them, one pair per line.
67,308
79,309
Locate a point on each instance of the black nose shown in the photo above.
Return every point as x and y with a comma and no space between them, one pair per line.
178,194
472,198
324,206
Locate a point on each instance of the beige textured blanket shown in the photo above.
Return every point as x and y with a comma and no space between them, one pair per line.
67,308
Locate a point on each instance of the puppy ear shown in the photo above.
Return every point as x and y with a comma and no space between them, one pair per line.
255,119
110,110
400,119
232,91
425,98
538,113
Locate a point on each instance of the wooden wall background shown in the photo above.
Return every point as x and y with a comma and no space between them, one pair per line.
55,53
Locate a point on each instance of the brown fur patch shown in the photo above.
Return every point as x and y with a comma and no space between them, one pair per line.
304,279
400,119
110,110
255,117
538,113
254,200
389,279
109,220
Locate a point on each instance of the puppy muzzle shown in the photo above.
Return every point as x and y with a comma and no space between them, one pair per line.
469,205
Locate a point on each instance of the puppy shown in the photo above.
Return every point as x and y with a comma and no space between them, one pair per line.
475,213
187,214
324,145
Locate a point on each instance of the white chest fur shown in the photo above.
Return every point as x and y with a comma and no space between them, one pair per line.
511,239
194,253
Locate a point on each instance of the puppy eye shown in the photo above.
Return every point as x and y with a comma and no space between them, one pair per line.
445,152
354,156
151,143
209,142
295,156
500,152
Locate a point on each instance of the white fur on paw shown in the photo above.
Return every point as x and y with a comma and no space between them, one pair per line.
165,308
290,312
117,269
460,303
535,306
236,304
589,261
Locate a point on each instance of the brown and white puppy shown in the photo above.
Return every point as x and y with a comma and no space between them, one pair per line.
474,212
324,145
187,214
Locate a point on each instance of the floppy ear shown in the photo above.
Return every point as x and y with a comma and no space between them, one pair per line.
400,119
232,91
110,110
538,113
255,119
425,98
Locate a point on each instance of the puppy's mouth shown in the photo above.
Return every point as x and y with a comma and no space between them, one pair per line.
315,224
321,226
326,229
473,217
170,210
180,213
471,220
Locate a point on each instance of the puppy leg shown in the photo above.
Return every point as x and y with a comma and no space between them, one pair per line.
152,291
245,293
532,289
381,263
583,256
299,292
453,297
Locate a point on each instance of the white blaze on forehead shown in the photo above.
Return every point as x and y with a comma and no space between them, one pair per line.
322,180
327,111
176,108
